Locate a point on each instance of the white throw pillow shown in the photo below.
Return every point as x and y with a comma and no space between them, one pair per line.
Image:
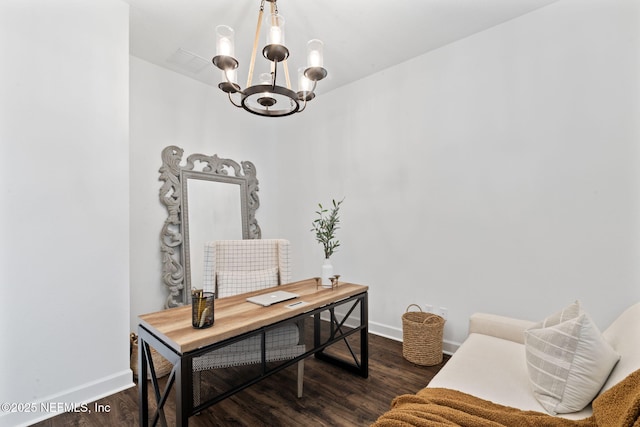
568,360
569,312
238,282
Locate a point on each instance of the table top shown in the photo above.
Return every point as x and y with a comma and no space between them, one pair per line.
235,316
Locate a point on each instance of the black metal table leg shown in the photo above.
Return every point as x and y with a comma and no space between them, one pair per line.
316,330
143,392
182,373
364,335
146,367
360,367
184,391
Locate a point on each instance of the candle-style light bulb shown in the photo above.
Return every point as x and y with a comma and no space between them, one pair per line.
315,62
224,47
315,53
304,84
230,75
224,40
265,78
224,59
275,35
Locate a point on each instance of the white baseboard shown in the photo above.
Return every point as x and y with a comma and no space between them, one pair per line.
450,347
82,396
79,398
393,333
382,330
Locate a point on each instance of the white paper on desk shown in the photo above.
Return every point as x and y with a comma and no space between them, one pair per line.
297,304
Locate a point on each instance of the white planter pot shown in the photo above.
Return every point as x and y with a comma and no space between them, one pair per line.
327,273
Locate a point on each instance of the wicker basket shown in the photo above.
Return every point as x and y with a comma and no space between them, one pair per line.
161,365
422,337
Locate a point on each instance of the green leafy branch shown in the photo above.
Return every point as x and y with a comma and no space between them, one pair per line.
325,227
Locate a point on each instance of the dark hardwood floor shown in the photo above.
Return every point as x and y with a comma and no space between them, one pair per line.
332,396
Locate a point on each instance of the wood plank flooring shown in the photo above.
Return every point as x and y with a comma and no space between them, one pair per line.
332,397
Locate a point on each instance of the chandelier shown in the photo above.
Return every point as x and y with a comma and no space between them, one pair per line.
267,97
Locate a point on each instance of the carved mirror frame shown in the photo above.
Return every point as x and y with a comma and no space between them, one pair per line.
174,236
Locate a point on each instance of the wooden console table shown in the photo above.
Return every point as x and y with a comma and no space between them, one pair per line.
170,333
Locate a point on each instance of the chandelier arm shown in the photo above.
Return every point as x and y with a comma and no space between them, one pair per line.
304,105
231,100
255,46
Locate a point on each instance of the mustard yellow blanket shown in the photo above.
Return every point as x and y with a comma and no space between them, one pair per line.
617,407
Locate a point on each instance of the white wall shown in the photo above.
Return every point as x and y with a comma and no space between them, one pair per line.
65,248
499,173
170,109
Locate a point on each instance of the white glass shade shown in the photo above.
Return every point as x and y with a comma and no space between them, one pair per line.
265,78
232,75
315,53
275,29
304,84
225,40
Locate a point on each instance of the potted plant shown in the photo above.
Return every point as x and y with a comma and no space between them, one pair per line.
325,227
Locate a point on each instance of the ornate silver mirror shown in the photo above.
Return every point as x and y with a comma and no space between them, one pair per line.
207,199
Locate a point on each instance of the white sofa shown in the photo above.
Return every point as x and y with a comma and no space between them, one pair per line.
491,363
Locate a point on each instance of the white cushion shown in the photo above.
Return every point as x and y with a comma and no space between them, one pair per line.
568,360
493,369
498,326
569,312
237,282
624,336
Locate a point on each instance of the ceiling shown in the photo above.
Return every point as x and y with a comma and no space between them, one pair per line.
360,37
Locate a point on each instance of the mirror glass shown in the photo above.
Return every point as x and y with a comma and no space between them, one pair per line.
212,212
209,198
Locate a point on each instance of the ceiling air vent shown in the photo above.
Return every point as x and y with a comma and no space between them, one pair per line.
189,61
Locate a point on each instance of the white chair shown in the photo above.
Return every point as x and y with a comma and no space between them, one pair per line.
232,267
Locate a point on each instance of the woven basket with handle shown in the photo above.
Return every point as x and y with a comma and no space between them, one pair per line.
161,365
422,337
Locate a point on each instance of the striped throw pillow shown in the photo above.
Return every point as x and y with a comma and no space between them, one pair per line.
568,360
